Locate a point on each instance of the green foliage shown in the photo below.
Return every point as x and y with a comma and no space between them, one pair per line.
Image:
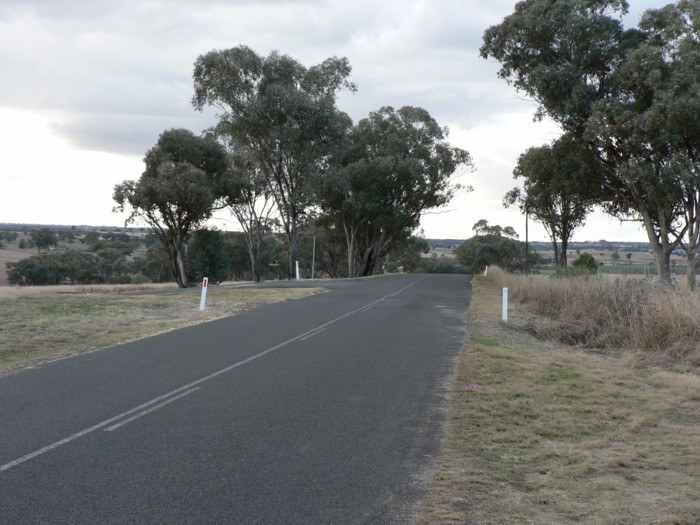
34,271
176,192
495,248
396,165
438,266
632,98
482,227
155,267
559,189
90,238
43,238
207,256
585,262
107,266
406,254
283,115
8,236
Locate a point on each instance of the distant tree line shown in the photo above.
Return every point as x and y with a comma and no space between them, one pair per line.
109,258
288,164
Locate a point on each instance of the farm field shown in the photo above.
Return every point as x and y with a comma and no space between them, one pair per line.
635,264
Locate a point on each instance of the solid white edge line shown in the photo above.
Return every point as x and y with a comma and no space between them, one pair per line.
64,441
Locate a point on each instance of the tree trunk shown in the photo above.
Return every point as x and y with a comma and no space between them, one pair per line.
177,265
293,238
690,272
351,243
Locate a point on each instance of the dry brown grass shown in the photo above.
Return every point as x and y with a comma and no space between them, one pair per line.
632,314
43,327
33,291
542,433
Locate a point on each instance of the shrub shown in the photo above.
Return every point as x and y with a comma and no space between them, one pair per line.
585,262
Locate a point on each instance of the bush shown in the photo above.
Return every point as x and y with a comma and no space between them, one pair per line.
585,263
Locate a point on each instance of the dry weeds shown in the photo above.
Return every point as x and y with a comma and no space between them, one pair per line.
605,312
541,433
33,291
39,328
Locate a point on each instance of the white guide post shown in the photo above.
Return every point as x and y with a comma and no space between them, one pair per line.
202,302
297,269
504,317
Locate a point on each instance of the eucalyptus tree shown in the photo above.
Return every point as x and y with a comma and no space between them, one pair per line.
283,114
491,245
624,94
176,192
650,126
43,239
558,191
247,196
397,165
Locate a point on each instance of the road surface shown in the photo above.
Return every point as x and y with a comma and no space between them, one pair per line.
325,409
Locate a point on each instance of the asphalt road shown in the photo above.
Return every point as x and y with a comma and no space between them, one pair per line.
321,410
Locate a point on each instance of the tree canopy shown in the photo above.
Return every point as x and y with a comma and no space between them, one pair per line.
558,191
492,245
176,192
396,165
628,96
281,112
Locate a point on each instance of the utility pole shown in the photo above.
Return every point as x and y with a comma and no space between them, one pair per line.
527,247
313,259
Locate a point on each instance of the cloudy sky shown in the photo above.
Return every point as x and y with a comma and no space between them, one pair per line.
88,85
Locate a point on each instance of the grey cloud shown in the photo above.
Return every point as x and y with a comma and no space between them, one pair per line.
128,134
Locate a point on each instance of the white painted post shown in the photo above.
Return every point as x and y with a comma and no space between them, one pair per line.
297,269
205,282
486,271
505,305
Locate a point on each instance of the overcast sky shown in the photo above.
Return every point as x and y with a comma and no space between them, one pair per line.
88,85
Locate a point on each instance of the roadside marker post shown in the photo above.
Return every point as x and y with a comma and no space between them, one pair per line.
296,264
504,316
202,302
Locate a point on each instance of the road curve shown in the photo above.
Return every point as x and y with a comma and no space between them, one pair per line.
319,410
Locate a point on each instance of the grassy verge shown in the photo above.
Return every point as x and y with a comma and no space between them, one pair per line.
40,328
543,433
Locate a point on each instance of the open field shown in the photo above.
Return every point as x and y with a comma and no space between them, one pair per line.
540,432
40,327
635,264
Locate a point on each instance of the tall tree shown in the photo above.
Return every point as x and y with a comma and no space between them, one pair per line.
611,89
176,192
398,165
281,112
650,127
246,194
557,191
